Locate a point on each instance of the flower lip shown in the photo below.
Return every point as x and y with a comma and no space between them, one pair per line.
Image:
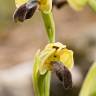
28,8
63,73
25,11
20,13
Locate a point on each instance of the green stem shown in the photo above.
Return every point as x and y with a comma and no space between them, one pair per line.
49,25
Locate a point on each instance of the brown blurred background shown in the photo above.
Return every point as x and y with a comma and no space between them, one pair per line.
19,42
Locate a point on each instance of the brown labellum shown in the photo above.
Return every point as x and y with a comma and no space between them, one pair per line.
24,12
63,74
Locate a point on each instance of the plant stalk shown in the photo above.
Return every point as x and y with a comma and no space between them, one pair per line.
49,25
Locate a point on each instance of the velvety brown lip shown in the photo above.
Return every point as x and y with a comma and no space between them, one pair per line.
63,74
23,13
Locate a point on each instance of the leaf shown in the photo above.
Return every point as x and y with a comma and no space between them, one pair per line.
41,83
35,73
89,86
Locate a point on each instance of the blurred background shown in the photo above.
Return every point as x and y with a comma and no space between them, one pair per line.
20,41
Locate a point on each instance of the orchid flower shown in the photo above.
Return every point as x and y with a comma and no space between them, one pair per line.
26,9
55,57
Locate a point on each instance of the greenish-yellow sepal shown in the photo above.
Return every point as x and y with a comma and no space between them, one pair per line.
77,5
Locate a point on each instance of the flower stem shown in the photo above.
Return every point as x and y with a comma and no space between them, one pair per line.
49,25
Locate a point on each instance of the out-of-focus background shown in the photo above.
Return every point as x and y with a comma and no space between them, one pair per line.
20,41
